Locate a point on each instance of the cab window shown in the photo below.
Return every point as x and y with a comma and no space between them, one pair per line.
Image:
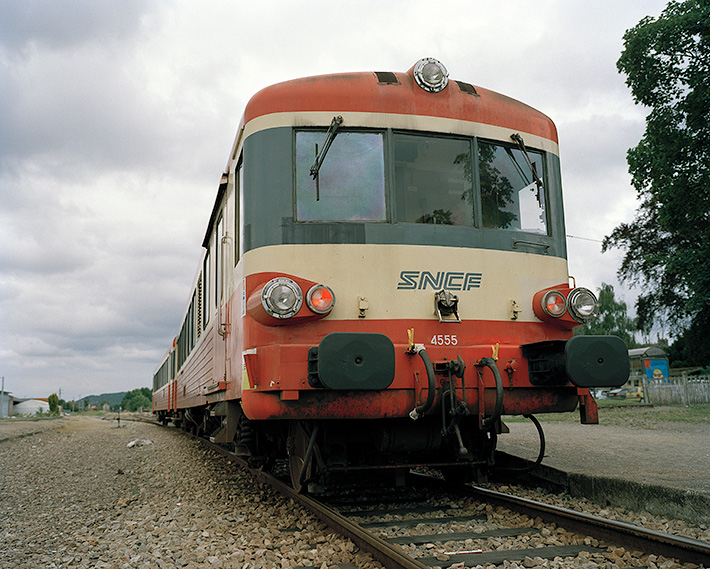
433,180
350,185
510,197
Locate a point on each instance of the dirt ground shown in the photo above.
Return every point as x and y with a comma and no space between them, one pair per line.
18,428
664,453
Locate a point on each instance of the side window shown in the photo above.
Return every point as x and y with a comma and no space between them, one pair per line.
510,198
219,260
238,185
191,324
350,185
199,307
206,289
194,320
433,180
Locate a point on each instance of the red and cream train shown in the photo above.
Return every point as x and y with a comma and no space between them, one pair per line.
384,276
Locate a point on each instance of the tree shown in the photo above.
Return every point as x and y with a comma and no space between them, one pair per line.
136,399
667,245
690,349
613,319
53,404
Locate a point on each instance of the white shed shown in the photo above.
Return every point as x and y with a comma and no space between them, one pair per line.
5,404
29,407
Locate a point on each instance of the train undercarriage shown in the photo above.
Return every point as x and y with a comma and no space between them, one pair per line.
452,424
318,451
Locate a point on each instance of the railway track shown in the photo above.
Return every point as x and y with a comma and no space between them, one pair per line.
393,534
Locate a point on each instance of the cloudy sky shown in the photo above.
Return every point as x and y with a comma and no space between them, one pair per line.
116,119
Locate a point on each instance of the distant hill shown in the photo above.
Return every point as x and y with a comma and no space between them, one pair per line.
110,398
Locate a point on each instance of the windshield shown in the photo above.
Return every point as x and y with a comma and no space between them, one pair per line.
433,180
510,198
350,185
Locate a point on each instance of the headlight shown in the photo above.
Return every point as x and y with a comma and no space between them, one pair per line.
320,299
431,75
281,298
554,303
582,304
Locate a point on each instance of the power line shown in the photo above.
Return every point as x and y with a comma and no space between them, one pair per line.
585,239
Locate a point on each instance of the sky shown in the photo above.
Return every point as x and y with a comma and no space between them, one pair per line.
117,118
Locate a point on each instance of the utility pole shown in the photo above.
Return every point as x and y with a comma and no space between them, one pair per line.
2,398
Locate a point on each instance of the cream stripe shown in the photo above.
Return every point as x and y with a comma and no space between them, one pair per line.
374,271
397,121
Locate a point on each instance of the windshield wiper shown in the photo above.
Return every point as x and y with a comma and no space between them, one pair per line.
521,144
327,141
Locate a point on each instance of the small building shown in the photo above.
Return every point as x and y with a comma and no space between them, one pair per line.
30,406
6,401
648,364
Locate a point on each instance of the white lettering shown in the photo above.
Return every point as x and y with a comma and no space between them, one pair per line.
445,340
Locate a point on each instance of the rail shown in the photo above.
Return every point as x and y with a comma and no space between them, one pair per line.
630,536
684,549
392,557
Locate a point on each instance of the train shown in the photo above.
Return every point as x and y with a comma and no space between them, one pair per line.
383,279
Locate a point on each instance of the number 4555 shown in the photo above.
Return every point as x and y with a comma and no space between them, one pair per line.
444,340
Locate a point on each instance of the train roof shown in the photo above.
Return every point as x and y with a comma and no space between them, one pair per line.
393,93
398,93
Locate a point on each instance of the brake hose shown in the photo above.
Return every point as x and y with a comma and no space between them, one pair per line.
490,421
540,454
424,407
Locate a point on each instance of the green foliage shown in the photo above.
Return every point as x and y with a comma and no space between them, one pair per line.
634,414
613,319
53,404
667,246
691,348
114,399
136,399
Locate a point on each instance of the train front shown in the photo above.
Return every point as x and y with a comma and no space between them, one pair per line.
405,278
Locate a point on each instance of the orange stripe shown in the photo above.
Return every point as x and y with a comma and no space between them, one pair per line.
360,92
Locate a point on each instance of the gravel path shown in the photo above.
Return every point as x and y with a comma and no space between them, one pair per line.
76,496
73,494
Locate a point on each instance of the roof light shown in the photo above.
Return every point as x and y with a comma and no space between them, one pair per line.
320,299
554,303
431,75
281,298
582,304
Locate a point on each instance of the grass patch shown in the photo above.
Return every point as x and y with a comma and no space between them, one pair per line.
29,418
629,413
644,415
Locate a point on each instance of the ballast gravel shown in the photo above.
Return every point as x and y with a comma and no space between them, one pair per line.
84,493
80,497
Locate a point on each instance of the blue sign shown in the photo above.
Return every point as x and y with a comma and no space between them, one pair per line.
656,369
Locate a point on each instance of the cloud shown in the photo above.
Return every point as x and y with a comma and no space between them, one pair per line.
117,118
70,24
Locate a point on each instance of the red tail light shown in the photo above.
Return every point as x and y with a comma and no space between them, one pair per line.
554,303
320,299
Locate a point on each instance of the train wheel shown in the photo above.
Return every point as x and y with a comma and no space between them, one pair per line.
297,447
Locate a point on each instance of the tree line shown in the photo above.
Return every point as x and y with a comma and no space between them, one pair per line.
134,400
666,246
